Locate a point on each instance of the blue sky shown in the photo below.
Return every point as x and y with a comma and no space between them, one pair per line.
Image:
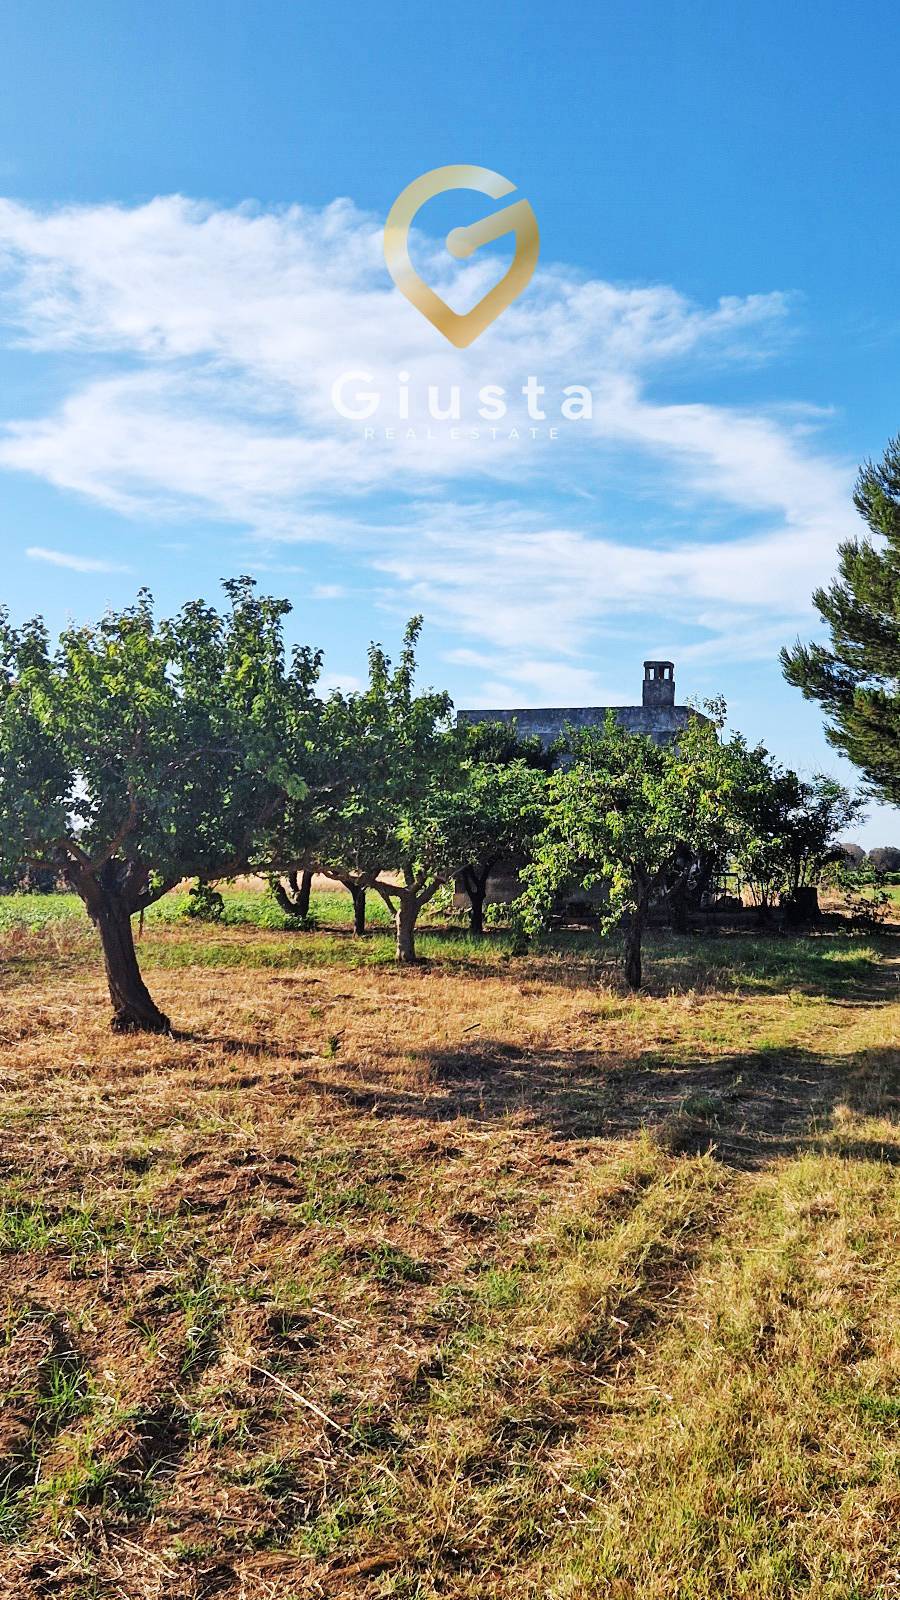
190,255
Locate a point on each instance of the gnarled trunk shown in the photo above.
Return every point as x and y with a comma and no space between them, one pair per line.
405,925
359,909
294,902
134,1010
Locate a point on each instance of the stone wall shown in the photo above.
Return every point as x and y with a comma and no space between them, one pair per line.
662,723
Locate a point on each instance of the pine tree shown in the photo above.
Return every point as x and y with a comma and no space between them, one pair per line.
857,678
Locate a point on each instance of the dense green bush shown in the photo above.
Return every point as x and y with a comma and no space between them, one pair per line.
204,904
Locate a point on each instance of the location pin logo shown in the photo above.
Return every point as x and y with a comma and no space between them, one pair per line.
517,218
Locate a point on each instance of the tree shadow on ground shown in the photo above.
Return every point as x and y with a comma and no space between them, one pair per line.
261,1049
747,1107
833,961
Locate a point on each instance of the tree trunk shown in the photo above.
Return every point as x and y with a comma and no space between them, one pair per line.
359,909
133,1008
294,903
282,898
475,885
405,924
634,934
303,889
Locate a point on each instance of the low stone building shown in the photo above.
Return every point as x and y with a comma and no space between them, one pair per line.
657,715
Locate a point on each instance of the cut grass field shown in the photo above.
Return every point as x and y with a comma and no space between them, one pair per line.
485,1279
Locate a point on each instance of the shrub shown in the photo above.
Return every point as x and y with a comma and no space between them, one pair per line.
204,904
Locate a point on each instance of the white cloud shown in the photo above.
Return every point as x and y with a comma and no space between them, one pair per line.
552,585
347,682
542,682
62,558
210,340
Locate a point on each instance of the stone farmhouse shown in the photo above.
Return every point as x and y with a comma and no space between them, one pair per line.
657,714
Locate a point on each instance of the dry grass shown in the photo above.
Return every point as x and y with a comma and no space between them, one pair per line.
484,1280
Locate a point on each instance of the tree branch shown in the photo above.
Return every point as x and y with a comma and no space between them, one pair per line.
115,844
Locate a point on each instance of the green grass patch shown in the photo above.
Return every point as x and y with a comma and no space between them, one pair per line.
388,1264
252,908
81,1231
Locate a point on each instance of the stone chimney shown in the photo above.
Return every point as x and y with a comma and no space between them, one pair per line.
659,683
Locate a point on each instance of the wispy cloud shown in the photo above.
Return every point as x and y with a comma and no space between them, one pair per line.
74,563
211,339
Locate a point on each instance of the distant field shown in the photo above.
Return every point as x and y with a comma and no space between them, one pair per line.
485,1280
330,907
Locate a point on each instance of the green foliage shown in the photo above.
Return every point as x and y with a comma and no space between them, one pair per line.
500,914
393,761
138,753
498,744
142,752
786,827
618,813
204,904
162,747
622,815
493,816
638,821
856,677
389,1264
